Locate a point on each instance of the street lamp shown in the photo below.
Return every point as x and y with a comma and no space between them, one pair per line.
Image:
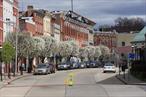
132,48
8,24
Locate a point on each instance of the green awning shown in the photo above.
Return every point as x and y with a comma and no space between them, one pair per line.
140,37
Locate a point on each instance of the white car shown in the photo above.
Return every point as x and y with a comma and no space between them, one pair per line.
109,67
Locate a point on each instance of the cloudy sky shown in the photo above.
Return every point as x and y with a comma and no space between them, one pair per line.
100,11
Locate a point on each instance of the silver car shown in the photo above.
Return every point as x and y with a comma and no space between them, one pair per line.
42,69
109,67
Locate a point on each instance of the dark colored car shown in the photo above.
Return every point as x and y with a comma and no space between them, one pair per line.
82,65
75,65
63,66
92,64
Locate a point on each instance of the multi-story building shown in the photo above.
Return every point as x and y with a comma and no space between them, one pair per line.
37,22
8,18
16,14
108,39
1,22
124,42
32,21
73,27
56,32
47,23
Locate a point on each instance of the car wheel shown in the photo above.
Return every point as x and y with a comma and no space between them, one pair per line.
104,71
34,74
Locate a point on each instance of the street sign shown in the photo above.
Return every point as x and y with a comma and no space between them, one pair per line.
131,55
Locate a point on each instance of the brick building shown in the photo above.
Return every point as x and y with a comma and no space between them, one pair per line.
16,14
9,21
31,21
1,22
37,22
108,39
73,27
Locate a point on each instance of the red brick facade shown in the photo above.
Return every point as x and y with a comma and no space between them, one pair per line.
73,29
16,14
27,27
32,21
1,22
108,39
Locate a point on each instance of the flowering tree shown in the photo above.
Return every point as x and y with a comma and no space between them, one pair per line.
24,45
49,47
90,52
105,53
38,45
75,48
104,50
83,53
65,49
97,52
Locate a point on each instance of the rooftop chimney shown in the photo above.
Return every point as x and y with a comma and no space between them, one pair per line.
29,7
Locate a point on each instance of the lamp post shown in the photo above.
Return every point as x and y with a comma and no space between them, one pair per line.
8,24
132,48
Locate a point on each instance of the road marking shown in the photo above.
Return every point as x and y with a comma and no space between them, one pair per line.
69,80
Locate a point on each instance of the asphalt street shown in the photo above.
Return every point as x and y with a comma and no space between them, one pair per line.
86,83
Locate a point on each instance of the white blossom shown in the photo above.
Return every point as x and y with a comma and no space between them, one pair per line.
104,50
65,49
97,52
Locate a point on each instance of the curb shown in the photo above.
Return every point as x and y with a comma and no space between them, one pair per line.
126,83
15,78
123,81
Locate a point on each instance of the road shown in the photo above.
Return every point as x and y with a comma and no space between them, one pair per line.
87,83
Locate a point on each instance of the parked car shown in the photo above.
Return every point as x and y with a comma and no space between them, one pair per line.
82,65
63,66
75,65
92,64
42,69
109,67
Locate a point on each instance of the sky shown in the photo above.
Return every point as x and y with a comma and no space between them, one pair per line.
100,11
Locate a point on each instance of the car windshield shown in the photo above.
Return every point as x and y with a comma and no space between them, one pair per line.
41,66
108,64
62,64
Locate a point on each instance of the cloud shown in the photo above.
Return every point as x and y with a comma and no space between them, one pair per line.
101,11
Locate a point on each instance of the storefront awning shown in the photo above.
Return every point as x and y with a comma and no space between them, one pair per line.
140,37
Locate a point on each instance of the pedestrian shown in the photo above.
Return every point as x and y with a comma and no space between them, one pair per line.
21,69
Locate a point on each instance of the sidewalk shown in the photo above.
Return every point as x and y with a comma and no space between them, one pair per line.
129,79
7,81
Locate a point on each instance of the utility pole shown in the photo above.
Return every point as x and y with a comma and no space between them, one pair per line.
72,9
16,47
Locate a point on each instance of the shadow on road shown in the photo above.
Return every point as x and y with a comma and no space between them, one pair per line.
111,80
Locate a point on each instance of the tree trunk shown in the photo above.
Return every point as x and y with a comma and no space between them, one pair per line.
9,71
1,71
27,63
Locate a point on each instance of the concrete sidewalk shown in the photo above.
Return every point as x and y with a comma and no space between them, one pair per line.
129,79
7,81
